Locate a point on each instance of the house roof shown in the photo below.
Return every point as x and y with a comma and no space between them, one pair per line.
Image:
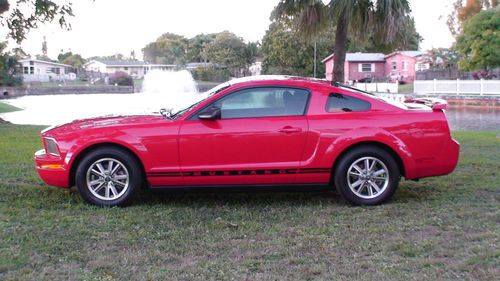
46,62
412,54
127,63
121,62
360,57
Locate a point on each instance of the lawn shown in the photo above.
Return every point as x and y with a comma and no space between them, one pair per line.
7,108
444,228
405,88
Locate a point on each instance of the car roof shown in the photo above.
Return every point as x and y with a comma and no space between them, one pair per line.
262,79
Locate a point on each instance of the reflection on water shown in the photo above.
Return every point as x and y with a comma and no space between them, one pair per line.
473,118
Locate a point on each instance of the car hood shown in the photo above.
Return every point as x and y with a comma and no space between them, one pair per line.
104,122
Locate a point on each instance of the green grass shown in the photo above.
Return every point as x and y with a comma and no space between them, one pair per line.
4,108
405,88
444,228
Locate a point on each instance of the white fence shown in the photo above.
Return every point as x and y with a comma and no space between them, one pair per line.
457,87
378,87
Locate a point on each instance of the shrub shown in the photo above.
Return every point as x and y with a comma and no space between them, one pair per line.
9,80
121,78
211,74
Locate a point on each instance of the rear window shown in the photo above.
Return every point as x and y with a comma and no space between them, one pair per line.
342,103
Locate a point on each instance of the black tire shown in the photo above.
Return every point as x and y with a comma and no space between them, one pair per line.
125,181
359,187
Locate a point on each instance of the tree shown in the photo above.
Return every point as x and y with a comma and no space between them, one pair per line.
369,43
286,52
169,48
63,55
386,20
230,51
461,13
116,56
8,68
196,47
75,60
478,44
25,15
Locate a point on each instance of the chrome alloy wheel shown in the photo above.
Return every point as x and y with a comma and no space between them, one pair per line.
107,179
368,177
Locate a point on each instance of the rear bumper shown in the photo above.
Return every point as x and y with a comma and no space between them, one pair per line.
52,169
443,163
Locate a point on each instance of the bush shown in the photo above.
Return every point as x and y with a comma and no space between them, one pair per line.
211,74
121,78
9,80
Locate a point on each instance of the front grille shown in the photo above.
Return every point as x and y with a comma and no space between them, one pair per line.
51,147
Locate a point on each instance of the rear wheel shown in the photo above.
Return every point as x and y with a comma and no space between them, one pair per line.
108,177
367,175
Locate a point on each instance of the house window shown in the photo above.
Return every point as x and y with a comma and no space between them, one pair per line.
32,70
404,65
421,66
26,70
56,70
366,67
394,65
32,63
125,68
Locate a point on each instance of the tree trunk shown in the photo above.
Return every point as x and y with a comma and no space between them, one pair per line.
339,49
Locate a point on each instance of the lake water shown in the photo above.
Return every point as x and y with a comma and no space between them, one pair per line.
57,109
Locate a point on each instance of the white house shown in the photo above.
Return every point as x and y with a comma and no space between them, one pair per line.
35,70
136,69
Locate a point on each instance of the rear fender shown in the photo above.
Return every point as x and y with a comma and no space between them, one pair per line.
369,135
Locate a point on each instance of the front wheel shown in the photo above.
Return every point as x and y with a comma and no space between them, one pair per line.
367,175
108,177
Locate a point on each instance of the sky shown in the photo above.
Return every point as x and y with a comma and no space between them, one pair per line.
107,27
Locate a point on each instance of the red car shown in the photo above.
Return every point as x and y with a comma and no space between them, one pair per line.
265,131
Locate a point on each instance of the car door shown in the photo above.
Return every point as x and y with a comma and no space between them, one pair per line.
258,138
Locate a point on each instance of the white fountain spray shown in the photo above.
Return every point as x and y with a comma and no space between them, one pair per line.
169,89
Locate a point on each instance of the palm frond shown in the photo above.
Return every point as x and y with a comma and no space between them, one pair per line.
308,17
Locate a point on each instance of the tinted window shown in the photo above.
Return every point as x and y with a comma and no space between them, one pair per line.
338,103
263,102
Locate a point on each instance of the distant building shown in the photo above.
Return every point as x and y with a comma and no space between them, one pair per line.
402,65
196,65
136,69
255,68
397,66
35,70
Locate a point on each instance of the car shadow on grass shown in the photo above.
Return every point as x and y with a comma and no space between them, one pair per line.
240,196
408,192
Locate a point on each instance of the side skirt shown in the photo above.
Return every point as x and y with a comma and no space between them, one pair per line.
246,187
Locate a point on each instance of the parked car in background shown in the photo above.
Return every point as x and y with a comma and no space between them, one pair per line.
259,131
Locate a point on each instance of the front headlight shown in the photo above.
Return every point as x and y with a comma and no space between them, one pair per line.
51,146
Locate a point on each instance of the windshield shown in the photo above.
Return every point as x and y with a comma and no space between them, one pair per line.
199,99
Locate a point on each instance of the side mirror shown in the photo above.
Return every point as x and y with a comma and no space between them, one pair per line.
212,113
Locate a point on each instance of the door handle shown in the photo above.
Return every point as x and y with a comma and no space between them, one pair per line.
290,129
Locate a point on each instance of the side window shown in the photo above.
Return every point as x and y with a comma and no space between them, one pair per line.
263,102
338,103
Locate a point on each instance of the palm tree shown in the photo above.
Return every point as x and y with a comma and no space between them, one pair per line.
386,20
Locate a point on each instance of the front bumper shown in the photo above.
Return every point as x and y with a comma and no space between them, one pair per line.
52,169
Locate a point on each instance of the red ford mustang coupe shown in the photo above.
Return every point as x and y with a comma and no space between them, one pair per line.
265,131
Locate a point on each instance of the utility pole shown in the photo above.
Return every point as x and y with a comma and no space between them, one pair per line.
314,59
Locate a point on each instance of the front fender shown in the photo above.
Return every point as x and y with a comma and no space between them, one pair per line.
111,137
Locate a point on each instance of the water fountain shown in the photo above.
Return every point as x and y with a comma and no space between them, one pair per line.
169,89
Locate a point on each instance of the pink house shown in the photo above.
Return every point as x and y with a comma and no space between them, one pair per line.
399,66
